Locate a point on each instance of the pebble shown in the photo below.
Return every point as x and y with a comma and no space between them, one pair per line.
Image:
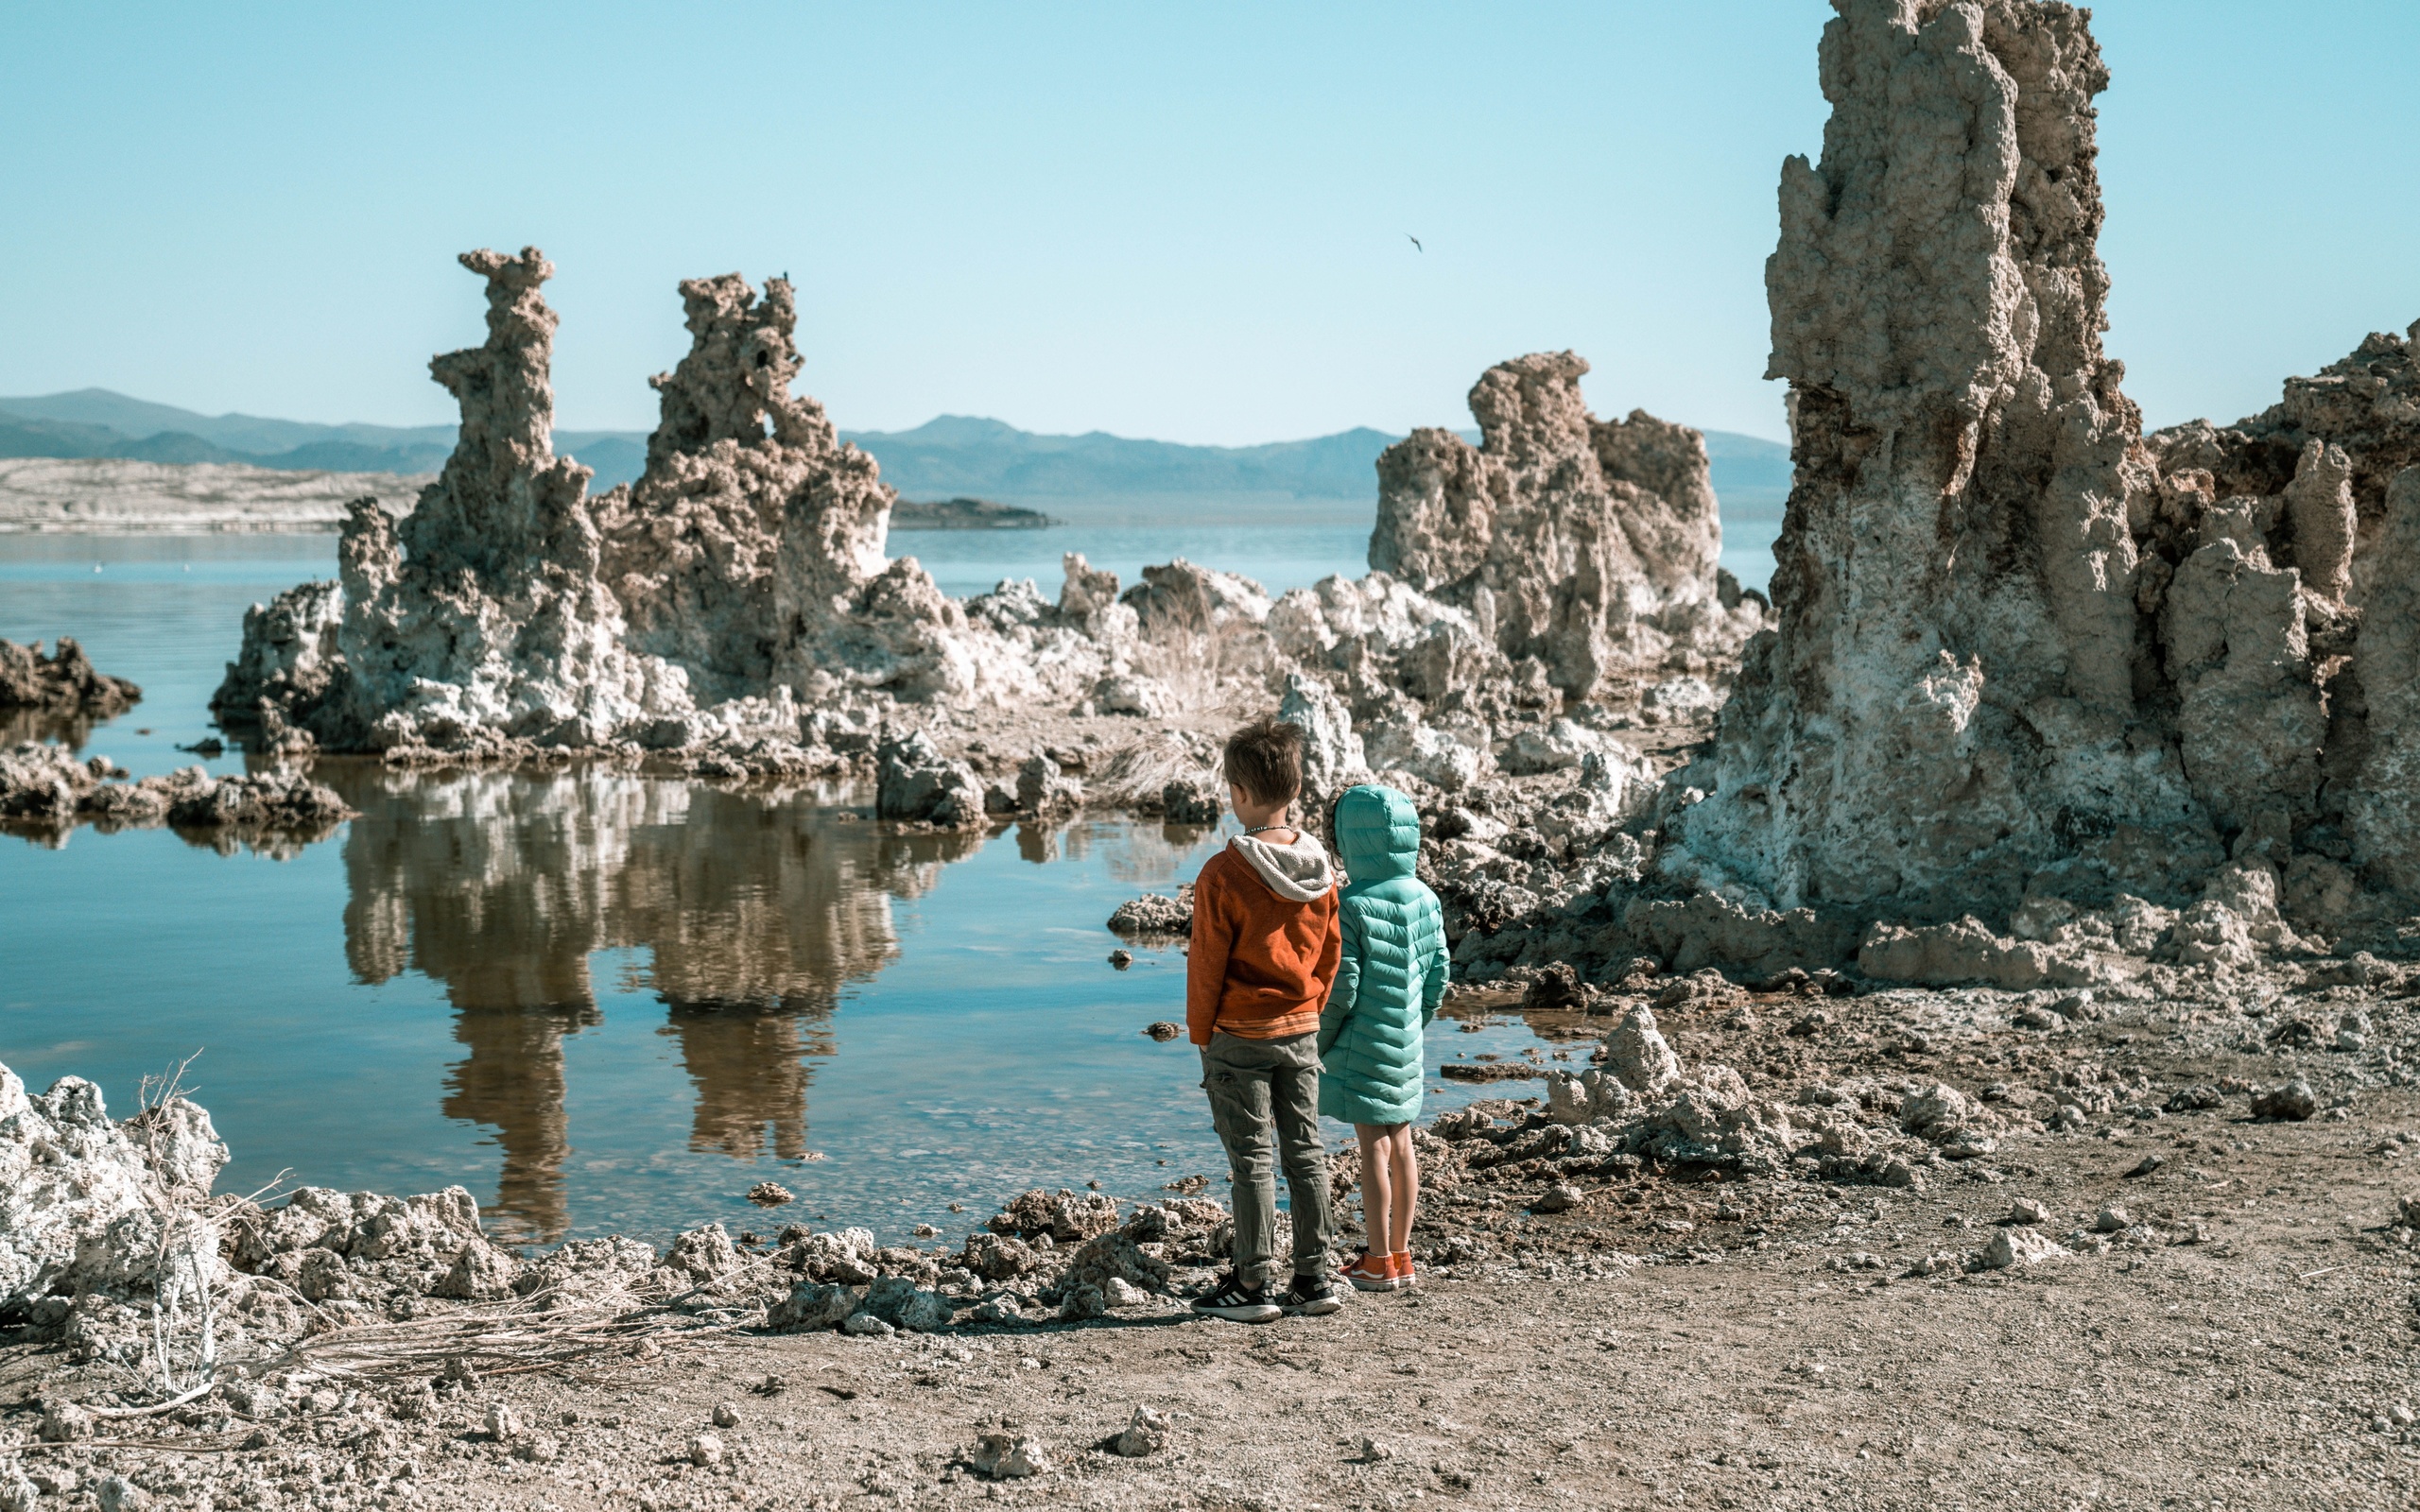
1559,1199
2013,1247
503,1422
2146,1165
63,1420
1373,1452
118,1494
2292,1103
2025,1209
1121,959
1147,1433
2111,1220
1010,1456
769,1194
705,1449
726,1414
1164,1031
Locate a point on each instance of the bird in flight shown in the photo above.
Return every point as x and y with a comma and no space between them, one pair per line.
1415,242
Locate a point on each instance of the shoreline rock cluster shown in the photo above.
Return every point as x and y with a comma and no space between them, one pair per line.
1892,1091
58,697
66,681
45,793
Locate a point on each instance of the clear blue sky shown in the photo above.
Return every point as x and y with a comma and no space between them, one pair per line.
1185,222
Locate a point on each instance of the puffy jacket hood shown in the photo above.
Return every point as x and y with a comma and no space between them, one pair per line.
1377,832
1301,871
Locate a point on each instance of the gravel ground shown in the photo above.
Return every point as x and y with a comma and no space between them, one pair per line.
1676,1338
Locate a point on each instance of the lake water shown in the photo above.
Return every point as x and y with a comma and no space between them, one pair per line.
972,562
604,1002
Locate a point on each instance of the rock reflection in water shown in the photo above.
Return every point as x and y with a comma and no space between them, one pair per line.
754,909
71,728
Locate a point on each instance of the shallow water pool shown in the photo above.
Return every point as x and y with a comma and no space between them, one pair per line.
602,1002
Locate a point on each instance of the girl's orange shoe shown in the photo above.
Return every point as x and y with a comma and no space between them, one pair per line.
1373,1273
1400,1263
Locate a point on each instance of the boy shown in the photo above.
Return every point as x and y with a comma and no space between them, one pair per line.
1265,949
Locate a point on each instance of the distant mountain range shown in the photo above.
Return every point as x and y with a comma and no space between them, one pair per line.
952,455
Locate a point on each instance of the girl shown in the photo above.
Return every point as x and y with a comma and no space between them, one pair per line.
1388,985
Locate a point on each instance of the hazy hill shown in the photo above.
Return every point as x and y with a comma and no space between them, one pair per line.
238,438
1094,476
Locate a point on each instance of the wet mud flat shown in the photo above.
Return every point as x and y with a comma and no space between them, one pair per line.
2218,1311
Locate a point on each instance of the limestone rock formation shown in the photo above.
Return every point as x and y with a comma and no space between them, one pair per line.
481,617
484,610
2021,651
2380,763
289,660
1586,546
1333,759
753,547
745,571
2321,485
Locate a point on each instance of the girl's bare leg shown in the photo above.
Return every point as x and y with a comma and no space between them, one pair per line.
1378,1187
1403,1180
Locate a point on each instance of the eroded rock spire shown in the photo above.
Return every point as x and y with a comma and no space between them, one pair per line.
2021,652
1588,546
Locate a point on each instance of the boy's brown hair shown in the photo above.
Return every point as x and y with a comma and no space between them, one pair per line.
1265,759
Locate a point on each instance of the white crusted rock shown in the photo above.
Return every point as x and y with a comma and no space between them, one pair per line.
2019,1246
1949,954
915,784
1333,757
1146,1432
1011,1457
97,1205
1638,1056
1559,746
1448,756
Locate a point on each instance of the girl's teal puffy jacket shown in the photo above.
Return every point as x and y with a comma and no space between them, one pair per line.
1392,972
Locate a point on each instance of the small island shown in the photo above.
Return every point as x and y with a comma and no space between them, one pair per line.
966,514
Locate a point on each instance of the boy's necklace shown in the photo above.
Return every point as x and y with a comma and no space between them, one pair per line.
1264,829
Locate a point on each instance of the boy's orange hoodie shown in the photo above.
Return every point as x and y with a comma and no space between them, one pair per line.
1265,940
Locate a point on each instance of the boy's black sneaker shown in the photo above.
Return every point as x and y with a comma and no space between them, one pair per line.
1237,1303
1314,1297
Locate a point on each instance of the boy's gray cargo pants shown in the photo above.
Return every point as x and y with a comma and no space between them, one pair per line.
1257,1088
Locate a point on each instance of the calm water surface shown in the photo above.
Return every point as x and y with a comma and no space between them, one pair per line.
607,1002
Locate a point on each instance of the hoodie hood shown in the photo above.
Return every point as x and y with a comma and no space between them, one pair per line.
1301,871
1378,831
